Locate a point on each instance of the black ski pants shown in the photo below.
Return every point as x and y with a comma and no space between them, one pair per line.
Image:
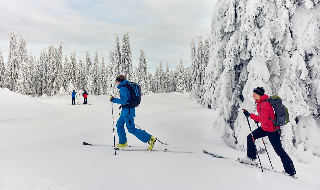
84,100
274,138
73,100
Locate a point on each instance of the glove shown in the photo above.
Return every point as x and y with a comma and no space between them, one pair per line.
257,122
111,98
246,113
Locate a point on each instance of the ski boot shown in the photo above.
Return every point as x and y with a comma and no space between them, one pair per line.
151,142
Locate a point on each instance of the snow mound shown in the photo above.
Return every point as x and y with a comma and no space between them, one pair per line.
15,106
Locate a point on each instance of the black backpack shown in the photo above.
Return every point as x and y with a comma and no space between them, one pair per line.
281,113
134,98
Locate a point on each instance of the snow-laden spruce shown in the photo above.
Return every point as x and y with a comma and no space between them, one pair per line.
274,44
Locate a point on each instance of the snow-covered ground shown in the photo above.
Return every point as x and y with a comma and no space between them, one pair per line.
41,149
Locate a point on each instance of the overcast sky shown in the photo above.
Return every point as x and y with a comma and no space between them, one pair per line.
164,28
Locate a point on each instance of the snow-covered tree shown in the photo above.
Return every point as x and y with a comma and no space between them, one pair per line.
172,82
96,76
142,73
180,77
263,43
112,72
22,86
159,79
82,76
12,69
73,67
117,56
167,88
89,72
199,58
103,77
126,58
2,70
58,71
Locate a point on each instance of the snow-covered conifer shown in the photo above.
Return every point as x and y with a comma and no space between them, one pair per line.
180,77
142,74
126,57
117,56
96,76
13,64
262,43
89,72
103,77
2,70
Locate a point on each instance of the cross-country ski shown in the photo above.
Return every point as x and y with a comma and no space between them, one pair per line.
247,164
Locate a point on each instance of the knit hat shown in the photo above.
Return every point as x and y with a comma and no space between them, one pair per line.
259,91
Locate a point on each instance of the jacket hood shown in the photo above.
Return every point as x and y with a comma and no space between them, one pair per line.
263,98
122,84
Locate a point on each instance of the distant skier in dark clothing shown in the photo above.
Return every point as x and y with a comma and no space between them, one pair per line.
73,97
85,96
265,114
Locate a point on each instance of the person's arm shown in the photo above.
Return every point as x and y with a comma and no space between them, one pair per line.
263,117
123,96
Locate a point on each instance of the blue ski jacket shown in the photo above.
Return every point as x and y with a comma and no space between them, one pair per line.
74,94
124,97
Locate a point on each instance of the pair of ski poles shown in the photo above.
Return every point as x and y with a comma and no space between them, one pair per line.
256,147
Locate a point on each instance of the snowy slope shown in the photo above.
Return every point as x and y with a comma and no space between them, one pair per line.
45,150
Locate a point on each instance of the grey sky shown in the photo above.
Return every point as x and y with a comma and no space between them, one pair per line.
164,28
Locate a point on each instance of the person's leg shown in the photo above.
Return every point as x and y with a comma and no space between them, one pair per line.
251,147
140,134
121,131
274,138
73,101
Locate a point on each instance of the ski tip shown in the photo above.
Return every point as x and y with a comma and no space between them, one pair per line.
85,143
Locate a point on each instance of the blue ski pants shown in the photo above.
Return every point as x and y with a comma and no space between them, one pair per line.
129,121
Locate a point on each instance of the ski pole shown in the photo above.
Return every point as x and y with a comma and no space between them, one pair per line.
157,138
266,150
114,137
254,144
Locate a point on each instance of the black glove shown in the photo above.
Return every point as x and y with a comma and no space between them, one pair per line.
111,98
257,122
246,113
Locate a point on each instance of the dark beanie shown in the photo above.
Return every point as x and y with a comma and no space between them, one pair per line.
259,91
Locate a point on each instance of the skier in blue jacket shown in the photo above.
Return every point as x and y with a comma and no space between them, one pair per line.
73,97
127,117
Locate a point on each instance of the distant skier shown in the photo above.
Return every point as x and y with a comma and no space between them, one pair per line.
85,96
73,97
265,113
127,115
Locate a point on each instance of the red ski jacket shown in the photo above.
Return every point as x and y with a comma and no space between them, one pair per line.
85,95
265,111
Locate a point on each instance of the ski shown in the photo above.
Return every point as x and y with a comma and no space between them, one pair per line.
108,145
154,150
214,155
247,164
136,148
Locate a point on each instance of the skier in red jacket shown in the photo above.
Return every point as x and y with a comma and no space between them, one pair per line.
265,112
85,96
